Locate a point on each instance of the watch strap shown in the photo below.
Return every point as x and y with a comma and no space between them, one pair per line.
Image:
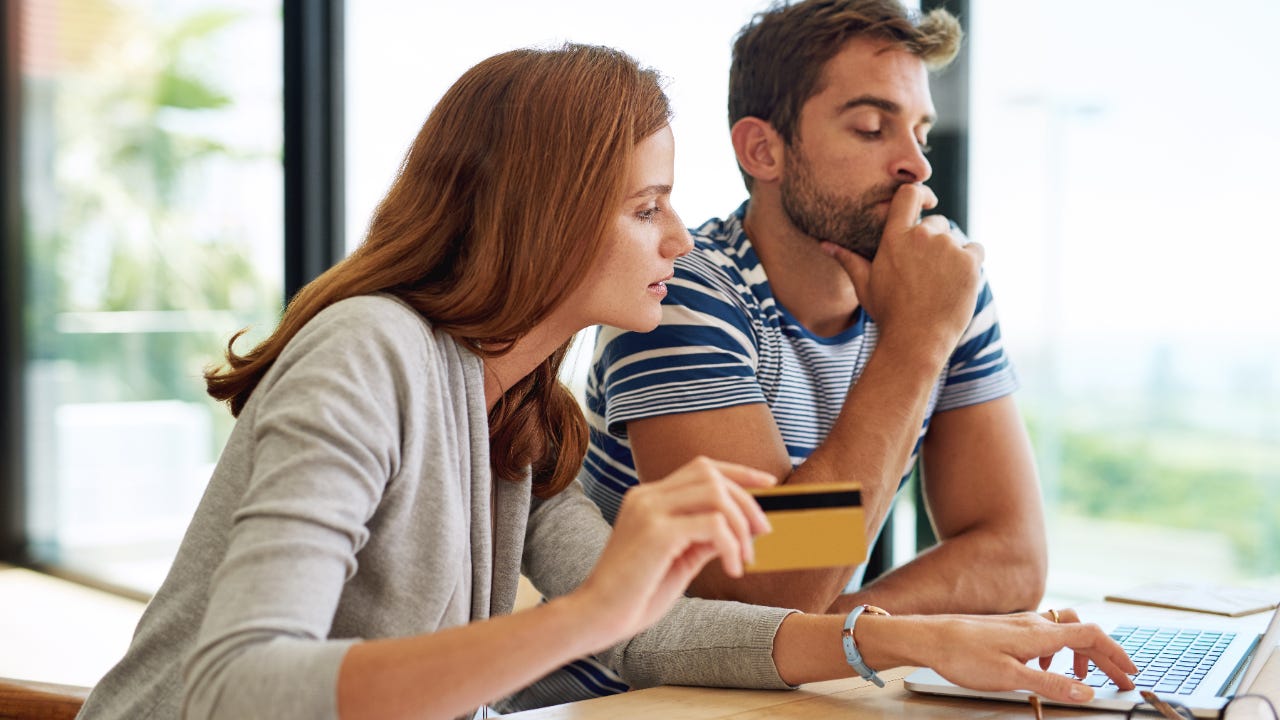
851,654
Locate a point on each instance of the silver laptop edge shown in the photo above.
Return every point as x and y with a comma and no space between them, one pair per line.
1267,645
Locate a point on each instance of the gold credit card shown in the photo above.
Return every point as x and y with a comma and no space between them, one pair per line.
814,525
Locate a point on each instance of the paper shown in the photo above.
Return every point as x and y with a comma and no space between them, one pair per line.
1267,683
1218,600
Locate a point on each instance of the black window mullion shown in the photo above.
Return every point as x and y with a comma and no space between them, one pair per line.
950,137
12,496
314,196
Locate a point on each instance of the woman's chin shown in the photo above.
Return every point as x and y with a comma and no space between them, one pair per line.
642,324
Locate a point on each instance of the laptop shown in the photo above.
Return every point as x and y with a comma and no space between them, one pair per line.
1201,665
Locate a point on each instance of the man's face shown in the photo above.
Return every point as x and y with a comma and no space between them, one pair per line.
860,137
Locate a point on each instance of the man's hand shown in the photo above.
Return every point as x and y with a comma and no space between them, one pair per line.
924,281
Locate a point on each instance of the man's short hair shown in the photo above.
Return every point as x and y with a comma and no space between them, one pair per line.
779,55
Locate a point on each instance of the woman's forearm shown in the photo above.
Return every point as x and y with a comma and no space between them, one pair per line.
977,651
447,673
808,648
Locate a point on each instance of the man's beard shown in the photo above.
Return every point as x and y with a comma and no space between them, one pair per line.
851,223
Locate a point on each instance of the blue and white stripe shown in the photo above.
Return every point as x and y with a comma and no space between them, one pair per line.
725,341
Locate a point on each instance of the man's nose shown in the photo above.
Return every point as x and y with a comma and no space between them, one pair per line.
912,165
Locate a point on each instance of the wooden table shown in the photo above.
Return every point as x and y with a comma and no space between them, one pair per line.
848,698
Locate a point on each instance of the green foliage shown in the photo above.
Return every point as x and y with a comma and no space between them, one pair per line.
125,225
187,93
1178,478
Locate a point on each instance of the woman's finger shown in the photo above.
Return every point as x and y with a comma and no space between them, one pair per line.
1052,685
751,509
673,537
708,493
688,564
1068,615
1080,664
725,540
1053,616
1113,670
1089,642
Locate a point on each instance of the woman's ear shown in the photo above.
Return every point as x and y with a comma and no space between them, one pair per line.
759,149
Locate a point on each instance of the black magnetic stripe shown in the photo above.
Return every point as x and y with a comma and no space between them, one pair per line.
810,501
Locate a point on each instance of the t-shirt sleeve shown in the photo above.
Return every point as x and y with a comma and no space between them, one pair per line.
702,356
979,370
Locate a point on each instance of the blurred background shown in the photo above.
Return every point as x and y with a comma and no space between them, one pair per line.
174,169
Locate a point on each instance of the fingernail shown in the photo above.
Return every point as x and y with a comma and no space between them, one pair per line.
1080,692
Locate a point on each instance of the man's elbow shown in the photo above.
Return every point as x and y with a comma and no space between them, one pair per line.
1028,574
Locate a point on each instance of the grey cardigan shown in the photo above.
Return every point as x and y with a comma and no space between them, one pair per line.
352,501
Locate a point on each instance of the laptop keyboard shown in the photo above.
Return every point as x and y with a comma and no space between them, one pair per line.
1169,660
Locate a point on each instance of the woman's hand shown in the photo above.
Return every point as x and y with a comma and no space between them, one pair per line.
665,532
992,652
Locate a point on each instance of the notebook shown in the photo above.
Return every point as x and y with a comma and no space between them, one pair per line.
1201,665
1200,597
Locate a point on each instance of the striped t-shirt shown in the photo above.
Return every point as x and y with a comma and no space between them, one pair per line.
724,340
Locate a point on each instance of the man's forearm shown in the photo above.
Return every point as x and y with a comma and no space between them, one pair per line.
870,443
809,591
878,426
982,571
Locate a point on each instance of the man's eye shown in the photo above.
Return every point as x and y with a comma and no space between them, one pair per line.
869,134
925,147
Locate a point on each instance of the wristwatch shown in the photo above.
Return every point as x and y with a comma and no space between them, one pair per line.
851,653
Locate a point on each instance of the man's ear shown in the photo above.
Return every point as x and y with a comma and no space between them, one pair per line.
759,149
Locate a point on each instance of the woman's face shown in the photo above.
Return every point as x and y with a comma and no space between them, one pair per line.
627,282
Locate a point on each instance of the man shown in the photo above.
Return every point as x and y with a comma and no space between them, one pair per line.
825,332
781,349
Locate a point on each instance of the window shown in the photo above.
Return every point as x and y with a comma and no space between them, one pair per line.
1119,178
402,56
152,212
1122,164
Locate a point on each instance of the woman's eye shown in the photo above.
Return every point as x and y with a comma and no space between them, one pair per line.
648,214
925,147
869,134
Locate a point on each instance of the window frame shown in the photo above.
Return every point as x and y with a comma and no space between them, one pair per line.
314,199
12,289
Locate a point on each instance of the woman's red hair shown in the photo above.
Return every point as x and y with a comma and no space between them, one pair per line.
499,209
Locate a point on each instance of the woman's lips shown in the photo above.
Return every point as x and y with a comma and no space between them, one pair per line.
660,287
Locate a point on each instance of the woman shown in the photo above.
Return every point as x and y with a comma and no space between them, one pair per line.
404,451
